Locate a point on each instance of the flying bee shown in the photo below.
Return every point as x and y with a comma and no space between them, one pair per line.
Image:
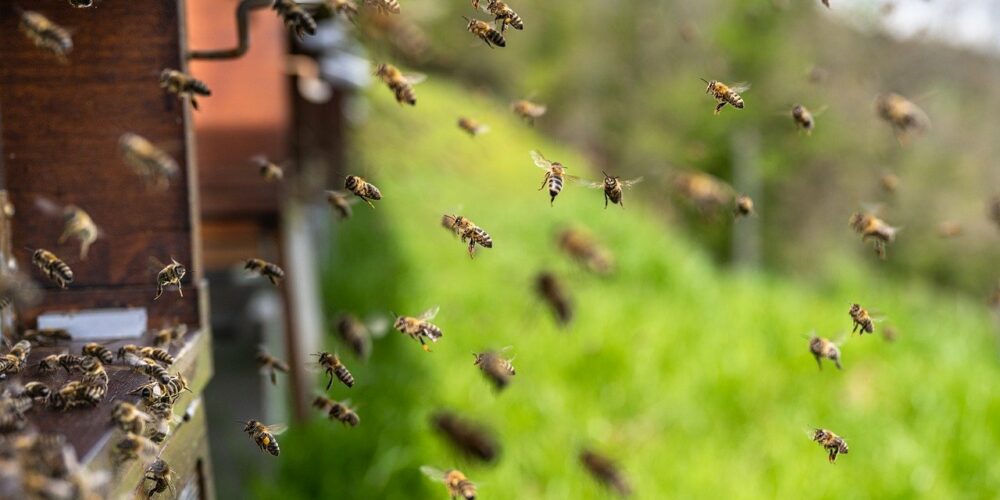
831,442
527,110
554,294
79,225
861,319
53,267
420,328
472,127
264,268
613,188
555,175
605,471
384,6
98,351
157,354
323,403
583,248
485,32
46,34
504,16
170,335
330,363
707,193
270,365
269,170
161,475
744,206
134,447
363,189
726,94
496,368
129,418
873,228
803,118
823,348
263,435
184,85
401,85
902,114
47,335
467,437
343,413
295,17
149,162
467,231
458,485
358,335
889,182
340,203
170,275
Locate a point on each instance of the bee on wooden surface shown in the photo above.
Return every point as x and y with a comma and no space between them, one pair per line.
605,472
270,365
98,351
582,247
726,94
401,85
803,118
458,485
161,407
875,229
744,206
46,34
467,231
340,203
495,367
263,435
555,175
156,354
173,385
53,267
37,390
21,350
902,114
503,15
271,271
343,413
47,335
707,193
76,393
889,182
554,294
420,328
467,437
129,354
527,110
613,188
170,335
70,362
94,372
363,189
485,32
861,319
472,127
12,411
269,170
159,430
949,229
831,442
134,447
153,370
384,6
823,348
79,225
49,363
184,85
129,418
172,274
295,17
149,162
331,364
162,477
10,365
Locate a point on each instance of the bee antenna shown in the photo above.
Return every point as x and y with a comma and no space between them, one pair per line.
704,80
394,315
467,19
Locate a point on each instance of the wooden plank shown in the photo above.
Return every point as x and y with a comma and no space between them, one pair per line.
161,311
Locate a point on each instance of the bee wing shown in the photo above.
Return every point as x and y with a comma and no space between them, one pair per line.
589,183
540,160
433,473
429,314
632,182
276,428
414,78
740,87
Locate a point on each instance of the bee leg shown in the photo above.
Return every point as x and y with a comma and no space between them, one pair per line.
718,108
179,289
273,280
194,102
330,381
369,202
605,201
818,362
836,362
159,291
545,180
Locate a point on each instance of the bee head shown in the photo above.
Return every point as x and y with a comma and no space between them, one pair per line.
250,424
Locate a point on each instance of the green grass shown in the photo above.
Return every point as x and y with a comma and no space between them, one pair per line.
696,379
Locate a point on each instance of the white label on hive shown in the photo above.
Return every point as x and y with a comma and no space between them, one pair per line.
98,324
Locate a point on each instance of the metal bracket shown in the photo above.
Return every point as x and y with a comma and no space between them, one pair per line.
243,33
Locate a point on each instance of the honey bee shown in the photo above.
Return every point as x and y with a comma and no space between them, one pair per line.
46,34
889,182
823,348
873,228
340,203
473,127
467,231
583,248
485,32
401,85
157,354
21,350
98,351
605,471
384,6
47,335
902,114
159,430
527,110
803,118
504,16
554,294
170,275
270,171
79,225
270,365
363,189
170,335
129,418
330,363
861,319
357,335
70,362
420,328
37,390
129,354
496,368
322,403
12,411
613,188
184,85
77,393
458,485
831,442
949,229
555,175
263,435
53,267
154,371
726,94
467,437
161,475
151,163
264,268
340,411
707,193
49,363
134,447
295,17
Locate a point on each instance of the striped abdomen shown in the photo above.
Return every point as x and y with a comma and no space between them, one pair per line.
404,92
45,34
54,268
466,489
555,185
481,238
495,37
344,375
157,354
431,331
733,99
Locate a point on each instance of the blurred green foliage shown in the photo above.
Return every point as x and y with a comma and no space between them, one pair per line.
698,380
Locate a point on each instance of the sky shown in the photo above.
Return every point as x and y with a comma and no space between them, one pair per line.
968,23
